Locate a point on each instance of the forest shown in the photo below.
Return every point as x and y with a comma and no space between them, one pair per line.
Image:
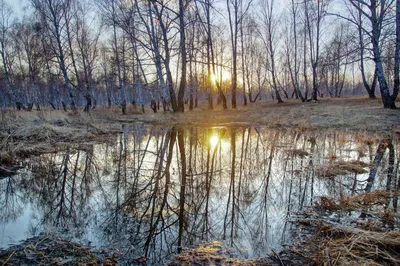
66,54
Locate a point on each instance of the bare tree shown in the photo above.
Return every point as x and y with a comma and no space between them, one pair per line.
53,18
28,38
370,89
5,28
396,79
86,39
206,26
192,55
335,59
163,27
314,12
376,13
294,68
270,26
182,33
236,12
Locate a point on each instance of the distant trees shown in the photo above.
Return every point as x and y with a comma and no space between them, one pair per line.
30,48
5,29
82,54
334,64
55,25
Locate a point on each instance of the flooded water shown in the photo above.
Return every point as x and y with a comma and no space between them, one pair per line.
153,190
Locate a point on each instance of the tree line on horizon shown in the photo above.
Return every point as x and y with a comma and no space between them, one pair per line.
70,53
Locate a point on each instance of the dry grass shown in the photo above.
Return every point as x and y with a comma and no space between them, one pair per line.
214,253
340,113
343,245
357,202
26,133
53,250
371,241
297,153
340,167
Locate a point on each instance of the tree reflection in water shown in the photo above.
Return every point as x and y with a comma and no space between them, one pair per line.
155,191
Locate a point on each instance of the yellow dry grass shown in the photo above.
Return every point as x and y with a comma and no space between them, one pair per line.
357,202
343,245
371,241
340,113
358,113
340,167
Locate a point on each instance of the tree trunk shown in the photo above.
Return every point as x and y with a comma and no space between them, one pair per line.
233,24
182,218
295,76
396,81
374,168
387,99
370,90
88,103
182,85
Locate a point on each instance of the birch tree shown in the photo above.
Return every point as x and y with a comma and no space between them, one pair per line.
376,13
396,79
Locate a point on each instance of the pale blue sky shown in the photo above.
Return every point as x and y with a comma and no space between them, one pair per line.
17,6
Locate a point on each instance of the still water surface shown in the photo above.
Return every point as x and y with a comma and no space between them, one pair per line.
152,190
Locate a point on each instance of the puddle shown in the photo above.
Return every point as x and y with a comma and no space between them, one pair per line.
155,190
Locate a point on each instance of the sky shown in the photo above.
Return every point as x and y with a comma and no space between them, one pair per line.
17,6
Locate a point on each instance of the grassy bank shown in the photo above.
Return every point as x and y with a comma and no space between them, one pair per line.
341,113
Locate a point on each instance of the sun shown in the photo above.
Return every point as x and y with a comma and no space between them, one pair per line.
213,78
216,77
214,140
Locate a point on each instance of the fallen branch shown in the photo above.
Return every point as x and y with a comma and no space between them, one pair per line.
4,172
9,257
